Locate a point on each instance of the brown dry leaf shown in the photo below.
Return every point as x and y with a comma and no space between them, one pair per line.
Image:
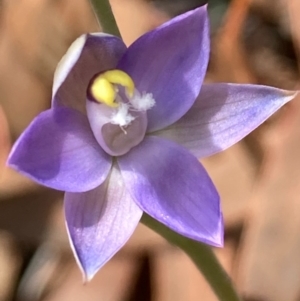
229,58
113,282
233,172
4,140
34,37
293,9
10,262
269,266
41,31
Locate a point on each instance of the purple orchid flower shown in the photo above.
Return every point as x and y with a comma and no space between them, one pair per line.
125,130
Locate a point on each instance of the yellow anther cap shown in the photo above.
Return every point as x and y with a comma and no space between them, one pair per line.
119,77
103,90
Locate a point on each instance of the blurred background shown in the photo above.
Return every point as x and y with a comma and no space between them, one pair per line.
253,41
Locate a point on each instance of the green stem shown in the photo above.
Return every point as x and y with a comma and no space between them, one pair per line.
105,16
202,255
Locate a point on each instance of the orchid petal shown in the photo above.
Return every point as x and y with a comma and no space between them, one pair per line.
58,150
170,63
87,56
100,222
169,184
223,114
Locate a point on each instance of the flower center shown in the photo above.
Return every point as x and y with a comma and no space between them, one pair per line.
106,87
117,111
